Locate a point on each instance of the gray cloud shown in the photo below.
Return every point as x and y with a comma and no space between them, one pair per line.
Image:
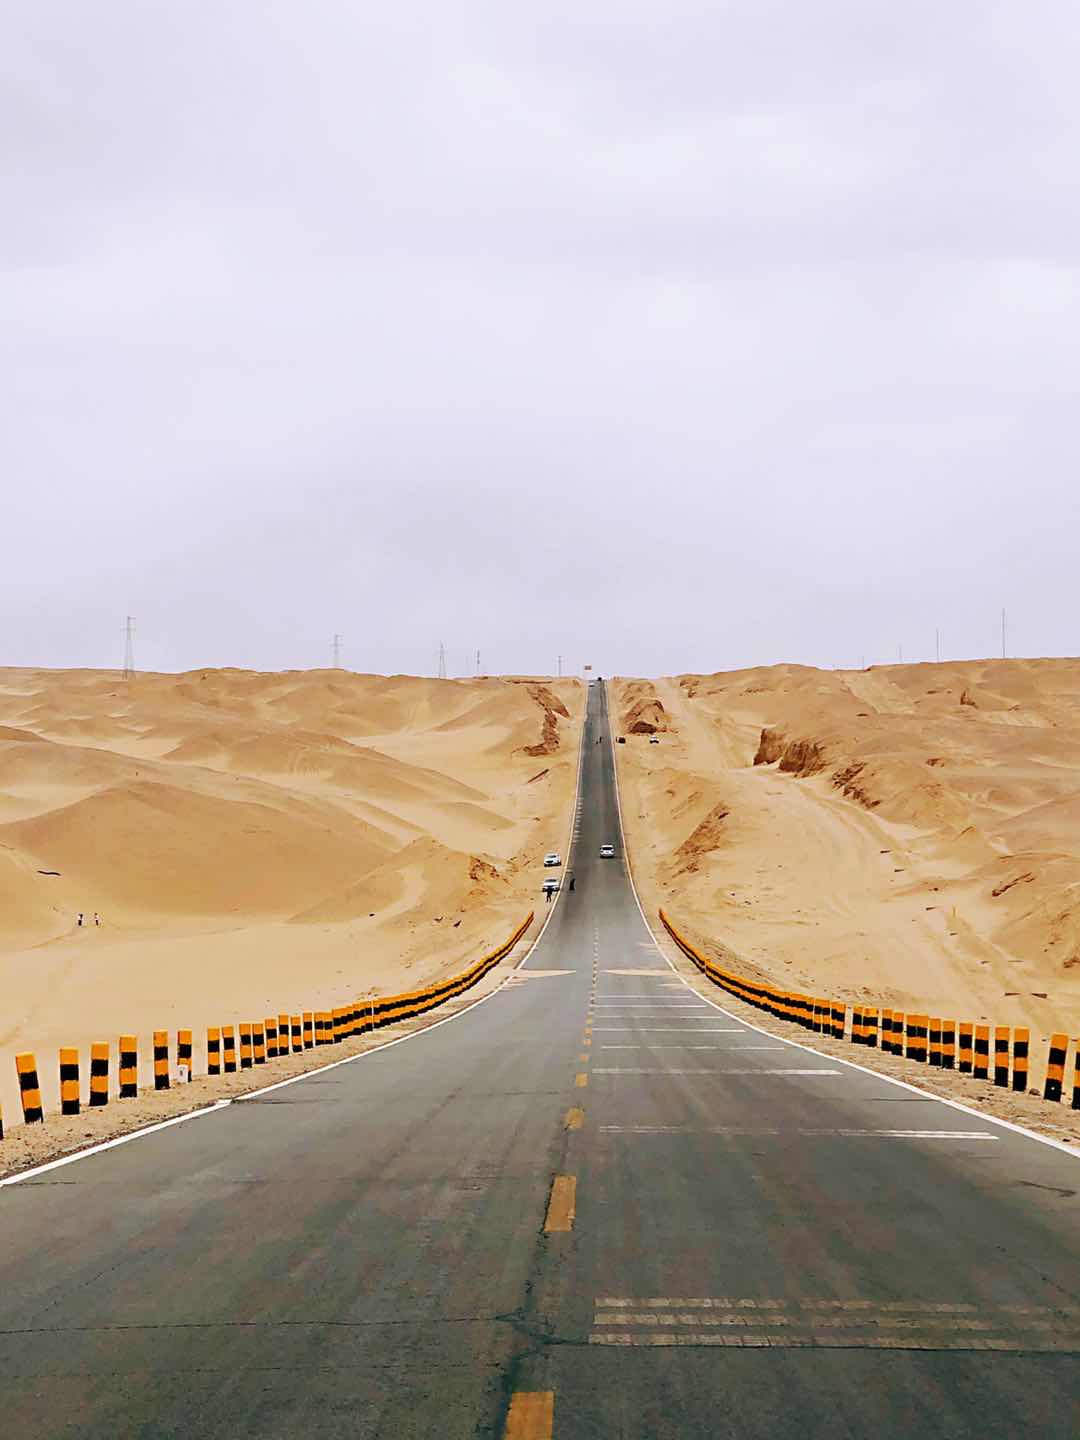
661,335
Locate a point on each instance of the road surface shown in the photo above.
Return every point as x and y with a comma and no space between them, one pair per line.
595,1190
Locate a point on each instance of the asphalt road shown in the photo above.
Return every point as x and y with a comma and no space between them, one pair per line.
765,1242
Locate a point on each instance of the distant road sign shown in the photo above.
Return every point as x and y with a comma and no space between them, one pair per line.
588,667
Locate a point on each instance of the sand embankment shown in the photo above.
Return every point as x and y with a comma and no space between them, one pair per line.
260,842
908,834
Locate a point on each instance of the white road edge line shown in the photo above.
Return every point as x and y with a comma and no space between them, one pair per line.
809,1050
217,1105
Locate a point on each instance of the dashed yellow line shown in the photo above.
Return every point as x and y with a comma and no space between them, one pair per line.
575,1118
581,1081
560,1211
531,1415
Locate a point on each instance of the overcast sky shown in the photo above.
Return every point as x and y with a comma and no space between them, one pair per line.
663,335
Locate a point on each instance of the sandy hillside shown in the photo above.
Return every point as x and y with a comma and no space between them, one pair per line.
905,833
260,842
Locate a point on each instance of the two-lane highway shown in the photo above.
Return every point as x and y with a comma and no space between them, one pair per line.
595,1205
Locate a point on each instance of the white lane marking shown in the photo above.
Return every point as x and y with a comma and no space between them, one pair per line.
1060,1145
844,1134
597,1070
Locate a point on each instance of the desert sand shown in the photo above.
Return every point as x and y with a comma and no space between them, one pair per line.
908,835
255,843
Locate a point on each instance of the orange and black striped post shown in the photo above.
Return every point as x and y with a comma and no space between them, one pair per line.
965,1047
271,1037
283,1034
1055,1067
228,1045
858,1032
69,1080
99,1073
246,1059
338,1024
982,1052
935,1040
1076,1078
899,1021
870,1027
129,1067
917,1026
1001,1056
1021,1046
183,1050
296,1025
213,1050
161,1060
886,1031
29,1089
948,1044
839,1020
309,1035
258,1043
1,1122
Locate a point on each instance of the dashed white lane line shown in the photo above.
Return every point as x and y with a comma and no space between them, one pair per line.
636,1071
765,1130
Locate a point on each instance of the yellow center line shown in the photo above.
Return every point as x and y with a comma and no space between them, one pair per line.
560,1212
581,1081
575,1118
584,1057
531,1415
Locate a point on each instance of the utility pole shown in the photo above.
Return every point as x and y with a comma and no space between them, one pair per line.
129,648
442,661
337,652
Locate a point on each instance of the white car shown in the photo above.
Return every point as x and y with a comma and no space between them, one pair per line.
551,885
553,858
607,852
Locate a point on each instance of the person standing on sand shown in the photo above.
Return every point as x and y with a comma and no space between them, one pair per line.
97,918
571,882
79,920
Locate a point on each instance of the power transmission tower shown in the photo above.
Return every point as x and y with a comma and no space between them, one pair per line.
129,648
337,652
442,661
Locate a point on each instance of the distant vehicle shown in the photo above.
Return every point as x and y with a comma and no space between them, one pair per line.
654,739
551,885
607,852
553,858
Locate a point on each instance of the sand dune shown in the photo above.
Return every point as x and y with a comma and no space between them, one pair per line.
910,833
256,841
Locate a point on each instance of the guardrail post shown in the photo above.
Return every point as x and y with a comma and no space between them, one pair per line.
69,1081
1001,1056
870,1027
161,1060
309,1033
982,1052
129,1067
948,1044
228,1044
282,1035
935,1041
271,1037
183,1051
29,1089
966,1032
246,1052
258,1042
1076,1077
213,1050
916,1037
1055,1067
99,1073
297,1033
1021,1041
